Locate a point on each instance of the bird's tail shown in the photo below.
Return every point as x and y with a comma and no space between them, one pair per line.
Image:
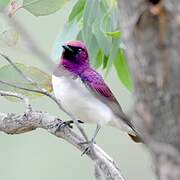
133,134
135,138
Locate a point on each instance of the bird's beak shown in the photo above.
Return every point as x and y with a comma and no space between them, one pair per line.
67,48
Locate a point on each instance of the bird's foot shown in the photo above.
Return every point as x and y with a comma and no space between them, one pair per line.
68,124
64,124
89,145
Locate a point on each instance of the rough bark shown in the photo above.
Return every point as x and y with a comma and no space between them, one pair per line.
30,120
151,32
19,123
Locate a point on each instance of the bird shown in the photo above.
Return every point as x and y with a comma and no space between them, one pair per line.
83,92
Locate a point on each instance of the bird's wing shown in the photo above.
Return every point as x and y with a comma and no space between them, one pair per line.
95,83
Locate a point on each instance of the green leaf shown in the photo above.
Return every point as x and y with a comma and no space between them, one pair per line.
3,3
103,42
99,29
93,48
77,10
99,59
9,74
43,7
105,61
90,12
114,34
122,70
89,16
112,56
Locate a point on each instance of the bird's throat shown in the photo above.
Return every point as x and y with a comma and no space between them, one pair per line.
73,67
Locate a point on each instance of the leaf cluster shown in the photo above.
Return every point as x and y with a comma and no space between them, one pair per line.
99,27
96,22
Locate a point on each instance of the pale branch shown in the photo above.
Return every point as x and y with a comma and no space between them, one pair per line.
24,76
16,124
19,123
42,91
97,173
35,91
20,87
19,96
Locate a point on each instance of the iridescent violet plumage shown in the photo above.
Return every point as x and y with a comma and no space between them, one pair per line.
75,63
81,68
84,93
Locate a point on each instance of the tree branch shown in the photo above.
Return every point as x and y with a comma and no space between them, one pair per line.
97,173
17,95
16,124
19,123
41,91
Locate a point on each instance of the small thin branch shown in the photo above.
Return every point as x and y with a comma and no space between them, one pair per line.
42,91
14,7
20,123
21,73
19,87
53,98
17,95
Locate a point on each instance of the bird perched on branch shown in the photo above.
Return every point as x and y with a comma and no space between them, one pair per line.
83,92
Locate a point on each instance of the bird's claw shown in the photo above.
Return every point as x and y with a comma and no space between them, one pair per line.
68,124
89,147
63,124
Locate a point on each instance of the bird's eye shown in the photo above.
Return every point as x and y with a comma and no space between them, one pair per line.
79,50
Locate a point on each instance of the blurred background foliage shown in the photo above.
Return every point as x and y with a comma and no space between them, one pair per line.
38,155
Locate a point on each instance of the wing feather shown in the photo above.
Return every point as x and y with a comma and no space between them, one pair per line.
95,83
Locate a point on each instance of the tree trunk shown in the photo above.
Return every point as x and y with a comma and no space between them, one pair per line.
151,33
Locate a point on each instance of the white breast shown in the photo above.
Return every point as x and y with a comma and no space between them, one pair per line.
78,100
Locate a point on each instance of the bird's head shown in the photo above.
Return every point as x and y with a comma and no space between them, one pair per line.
75,53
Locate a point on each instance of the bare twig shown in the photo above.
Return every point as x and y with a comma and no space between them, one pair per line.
17,95
20,72
42,91
47,94
30,120
14,7
19,87
17,123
